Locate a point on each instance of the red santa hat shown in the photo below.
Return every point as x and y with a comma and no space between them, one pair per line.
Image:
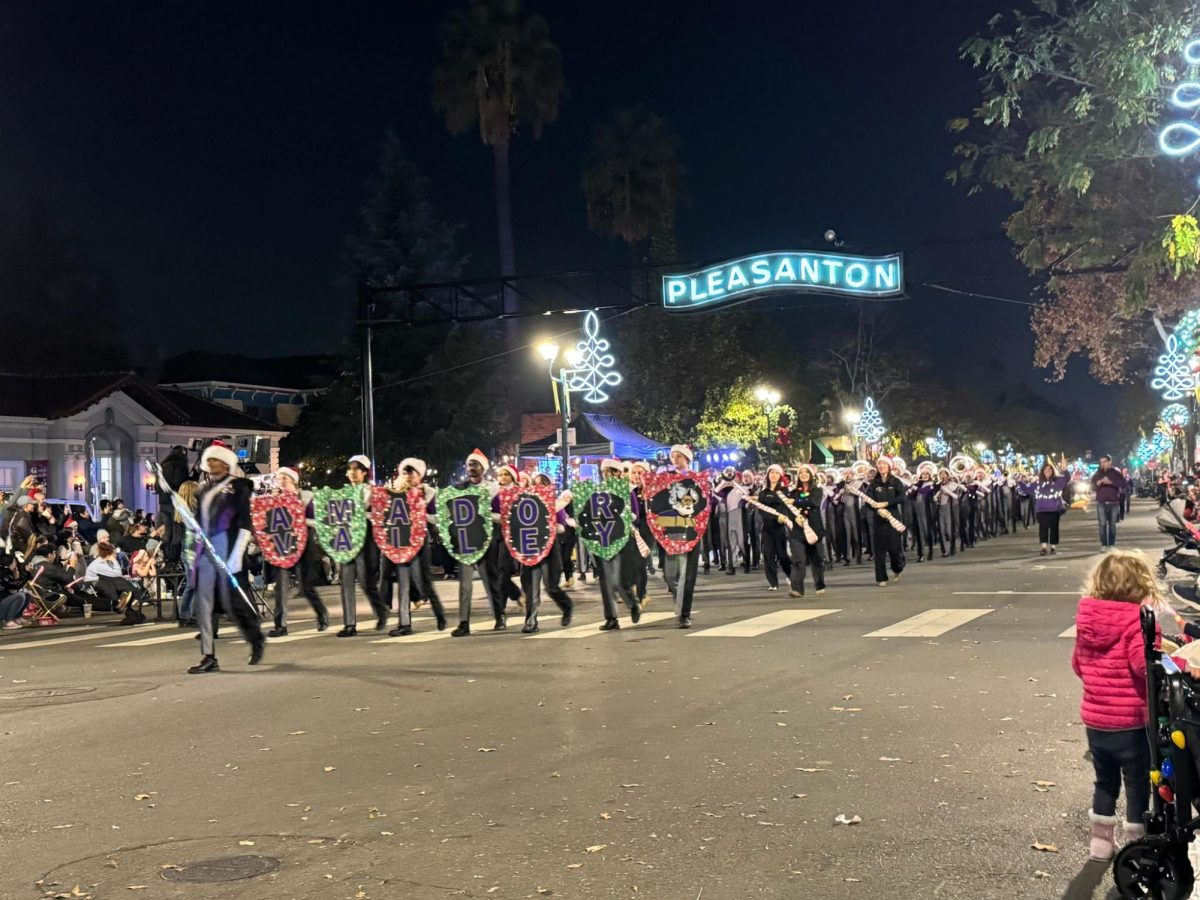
290,473
505,468
476,455
220,451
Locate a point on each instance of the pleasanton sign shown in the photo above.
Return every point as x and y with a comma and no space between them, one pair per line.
743,279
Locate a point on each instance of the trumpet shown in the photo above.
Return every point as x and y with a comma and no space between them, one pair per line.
961,465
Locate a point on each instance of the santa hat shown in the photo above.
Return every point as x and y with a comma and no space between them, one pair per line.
884,459
290,473
505,468
219,451
611,463
643,465
523,479
684,449
361,460
411,462
477,456
746,472
70,522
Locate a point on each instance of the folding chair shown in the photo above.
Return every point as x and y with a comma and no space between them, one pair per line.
44,602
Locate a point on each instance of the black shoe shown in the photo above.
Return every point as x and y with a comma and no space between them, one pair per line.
610,625
500,625
462,630
731,571
635,613
216,636
381,622
277,631
1042,552
206,664
529,628
401,631
182,623
256,651
441,623
322,621
566,619
685,622
348,631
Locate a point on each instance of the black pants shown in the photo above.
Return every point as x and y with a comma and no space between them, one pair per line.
1048,527
566,550
885,541
1117,754
774,553
804,555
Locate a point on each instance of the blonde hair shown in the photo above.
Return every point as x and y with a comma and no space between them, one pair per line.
187,493
1123,575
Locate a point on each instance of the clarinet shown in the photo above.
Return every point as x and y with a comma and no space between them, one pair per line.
885,514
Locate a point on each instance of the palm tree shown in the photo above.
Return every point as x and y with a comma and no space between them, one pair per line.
632,179
499,69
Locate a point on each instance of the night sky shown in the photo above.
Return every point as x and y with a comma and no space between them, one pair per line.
214,155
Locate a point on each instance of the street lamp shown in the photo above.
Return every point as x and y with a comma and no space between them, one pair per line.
548,351
769,398
852,417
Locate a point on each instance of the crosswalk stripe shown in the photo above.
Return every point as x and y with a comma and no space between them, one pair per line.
582,631
931,623
1015,593
772,621
101,632
420,637
183,635
1069,633
299,636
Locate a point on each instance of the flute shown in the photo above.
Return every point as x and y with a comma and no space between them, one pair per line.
884,513
809,535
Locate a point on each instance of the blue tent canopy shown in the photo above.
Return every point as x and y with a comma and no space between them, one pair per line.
627,443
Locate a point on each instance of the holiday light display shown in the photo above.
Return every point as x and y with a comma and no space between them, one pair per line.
593,373
1173,375
1175,415
341,519
938,446
870,424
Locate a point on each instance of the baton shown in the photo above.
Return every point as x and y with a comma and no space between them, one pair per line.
185,513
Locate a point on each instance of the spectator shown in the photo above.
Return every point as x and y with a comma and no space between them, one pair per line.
20,526
1109,484
135,539
112,588
175,473
87,526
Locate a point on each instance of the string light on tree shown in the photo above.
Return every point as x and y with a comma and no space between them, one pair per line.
1173,375
870,424
593,371
938,445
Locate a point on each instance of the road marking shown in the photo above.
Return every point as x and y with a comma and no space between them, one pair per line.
299,636
1069,633
185,634
102,632
421,637
931,623
1015,593
582,631
772,621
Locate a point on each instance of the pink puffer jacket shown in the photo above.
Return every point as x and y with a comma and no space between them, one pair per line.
1110,660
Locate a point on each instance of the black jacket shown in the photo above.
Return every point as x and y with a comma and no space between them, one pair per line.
808,503
770,498
175,470
889,492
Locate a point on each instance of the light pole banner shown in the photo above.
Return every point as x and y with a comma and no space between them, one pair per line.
801,271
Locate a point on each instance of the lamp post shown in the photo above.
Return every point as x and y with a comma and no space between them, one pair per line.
769,399
851,417
549,351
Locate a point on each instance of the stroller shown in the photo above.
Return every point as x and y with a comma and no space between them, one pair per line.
1185,554
1157,866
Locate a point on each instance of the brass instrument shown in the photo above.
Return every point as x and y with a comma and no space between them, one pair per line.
961,465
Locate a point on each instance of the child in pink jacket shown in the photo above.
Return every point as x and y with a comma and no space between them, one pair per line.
1110,659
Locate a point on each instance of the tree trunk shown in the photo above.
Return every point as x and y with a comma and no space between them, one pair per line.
504,227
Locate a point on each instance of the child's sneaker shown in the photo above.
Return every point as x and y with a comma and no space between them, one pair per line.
1102,846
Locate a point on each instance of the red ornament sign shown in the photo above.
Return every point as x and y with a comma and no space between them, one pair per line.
398,522
677,508
279,527
527,520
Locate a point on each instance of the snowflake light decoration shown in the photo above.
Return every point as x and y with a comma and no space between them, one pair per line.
1175,415
1009,456
1144,450
1186,332
938,445
1182,137
593,373
987,457
1161,442
1173,375
870,424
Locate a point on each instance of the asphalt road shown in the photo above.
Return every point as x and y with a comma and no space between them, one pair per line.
649,762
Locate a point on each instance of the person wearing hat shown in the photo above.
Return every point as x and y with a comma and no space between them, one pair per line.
885,492
731,497
287,481
612,580
775,528
645,567
806,496
502,565
223,505
20,526
551,567
364,568
477,465
412,577
679,569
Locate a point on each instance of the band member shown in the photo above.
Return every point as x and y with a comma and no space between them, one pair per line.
288,480
501,564
477,465
885,493
921,496
224,516
753,522
644,565
806,497
774,528
364,568
411,577
679,569
852,516
834,512
730,496
633,563
611,578
548,570
946,496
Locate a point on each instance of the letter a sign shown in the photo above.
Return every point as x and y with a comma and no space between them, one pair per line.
279,528
398,522
527,520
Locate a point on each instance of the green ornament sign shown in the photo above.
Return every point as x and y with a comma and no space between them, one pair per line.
603,515
341,516
465,521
